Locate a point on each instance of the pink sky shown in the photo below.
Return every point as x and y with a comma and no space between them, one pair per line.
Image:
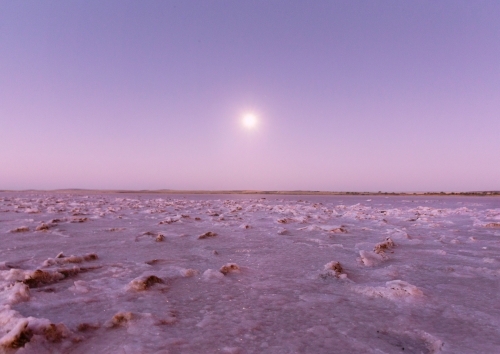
350,95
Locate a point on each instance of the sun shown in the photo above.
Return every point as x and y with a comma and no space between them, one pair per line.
249,120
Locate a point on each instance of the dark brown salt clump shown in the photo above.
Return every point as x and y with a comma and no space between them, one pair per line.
42,227
17,337
381,247
145,282
333,269
120,319
62,259
229,268
20,229
85,326
41,277
207,235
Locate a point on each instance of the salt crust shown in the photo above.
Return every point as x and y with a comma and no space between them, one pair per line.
371,259
20,330
229,268
212,275
144,282
16,284
333,269
393,290
16,288
282,231
135,320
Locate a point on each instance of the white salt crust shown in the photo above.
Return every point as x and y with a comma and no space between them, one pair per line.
146,273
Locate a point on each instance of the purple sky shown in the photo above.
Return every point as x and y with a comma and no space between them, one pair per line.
350,95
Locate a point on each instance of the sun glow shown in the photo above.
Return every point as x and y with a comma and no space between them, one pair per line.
249,120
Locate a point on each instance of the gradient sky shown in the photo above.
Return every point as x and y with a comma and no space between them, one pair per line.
350,95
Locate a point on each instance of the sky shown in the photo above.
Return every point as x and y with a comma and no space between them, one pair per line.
347,95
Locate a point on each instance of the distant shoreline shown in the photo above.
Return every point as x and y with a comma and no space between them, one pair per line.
255,192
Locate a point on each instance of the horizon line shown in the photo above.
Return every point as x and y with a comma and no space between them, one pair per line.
244,191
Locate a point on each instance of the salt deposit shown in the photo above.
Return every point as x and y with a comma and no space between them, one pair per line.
146,273
229,268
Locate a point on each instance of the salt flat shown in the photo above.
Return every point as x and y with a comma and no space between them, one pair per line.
142,273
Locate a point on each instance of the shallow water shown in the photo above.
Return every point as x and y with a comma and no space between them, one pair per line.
431,287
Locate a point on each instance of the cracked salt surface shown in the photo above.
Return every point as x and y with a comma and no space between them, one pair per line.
143,273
